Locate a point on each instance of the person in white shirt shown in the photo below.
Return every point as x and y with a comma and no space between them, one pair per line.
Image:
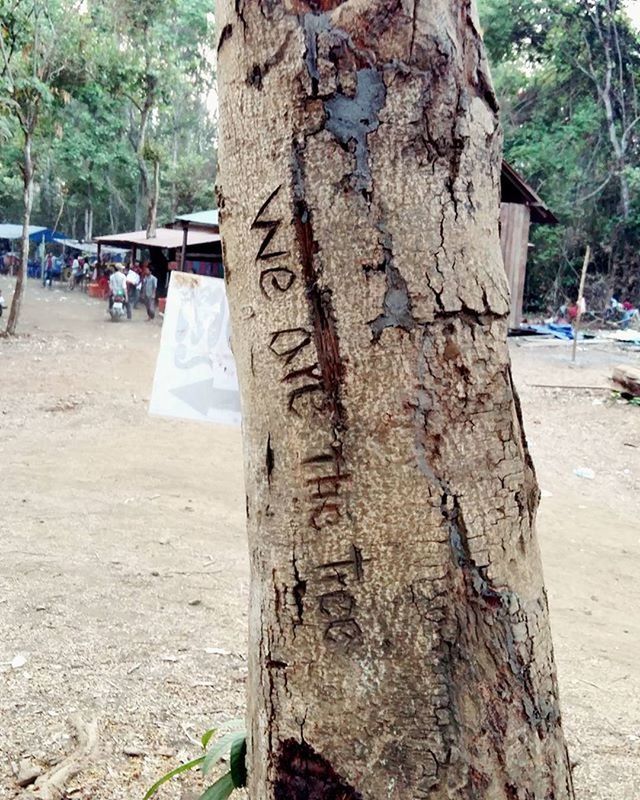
133,286
118,286
2,302
75,269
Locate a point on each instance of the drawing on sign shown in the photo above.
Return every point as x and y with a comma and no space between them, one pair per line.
195,372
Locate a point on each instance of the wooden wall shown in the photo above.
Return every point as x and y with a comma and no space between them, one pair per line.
515,220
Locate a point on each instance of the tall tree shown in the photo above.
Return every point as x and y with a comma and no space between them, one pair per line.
162,49
399,638
93,159
566,75
36,70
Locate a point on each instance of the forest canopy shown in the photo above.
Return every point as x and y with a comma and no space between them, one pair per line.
118,86
121,92
566,74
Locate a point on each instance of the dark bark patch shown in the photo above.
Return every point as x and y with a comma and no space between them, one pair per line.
299,590
258,72
269,459
227,33
352,119
313,26
379,18
315,6
494,612
254,78
304,774
239,8
397,306
324,325
479,781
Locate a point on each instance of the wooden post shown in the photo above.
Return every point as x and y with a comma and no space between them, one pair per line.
576,327
183,252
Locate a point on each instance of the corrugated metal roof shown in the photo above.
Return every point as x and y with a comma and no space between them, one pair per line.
170,238
87,247
208,218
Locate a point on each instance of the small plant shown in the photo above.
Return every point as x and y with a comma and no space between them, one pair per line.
234,742
632,400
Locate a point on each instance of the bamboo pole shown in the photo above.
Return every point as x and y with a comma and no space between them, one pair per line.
576,326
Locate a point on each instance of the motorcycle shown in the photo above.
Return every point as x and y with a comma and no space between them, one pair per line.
117,308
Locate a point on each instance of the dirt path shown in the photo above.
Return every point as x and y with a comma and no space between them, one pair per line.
123,556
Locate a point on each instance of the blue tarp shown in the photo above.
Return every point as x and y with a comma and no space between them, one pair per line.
555,329
13,232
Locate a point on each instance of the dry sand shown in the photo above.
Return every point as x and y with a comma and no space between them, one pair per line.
123,556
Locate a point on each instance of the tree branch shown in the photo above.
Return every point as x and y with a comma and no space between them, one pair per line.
595,191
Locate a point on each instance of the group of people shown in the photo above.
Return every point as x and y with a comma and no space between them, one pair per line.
136,285
80,272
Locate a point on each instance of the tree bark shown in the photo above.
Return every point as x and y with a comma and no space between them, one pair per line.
152,218
399,636
88,221
27,198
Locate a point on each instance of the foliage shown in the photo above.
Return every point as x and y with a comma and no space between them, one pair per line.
234,742
566,73
625,397
109,61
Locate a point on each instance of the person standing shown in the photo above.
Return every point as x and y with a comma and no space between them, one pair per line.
75,269
47,270
149,289
133,286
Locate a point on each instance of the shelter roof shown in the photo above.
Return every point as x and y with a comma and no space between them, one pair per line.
514,189
13,231
86,247
169,238
207,219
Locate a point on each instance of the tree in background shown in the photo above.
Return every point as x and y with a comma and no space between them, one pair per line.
162,61
399,638
140,104
566,73
36,69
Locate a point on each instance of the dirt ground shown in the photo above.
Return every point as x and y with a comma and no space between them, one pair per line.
123,564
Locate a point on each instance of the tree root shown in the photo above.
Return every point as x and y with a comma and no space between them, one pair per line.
51,784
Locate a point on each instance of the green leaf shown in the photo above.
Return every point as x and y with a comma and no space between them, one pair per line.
220,748
220,790
238,762
182,768
206,737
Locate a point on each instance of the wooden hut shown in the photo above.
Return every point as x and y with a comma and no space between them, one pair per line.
520,208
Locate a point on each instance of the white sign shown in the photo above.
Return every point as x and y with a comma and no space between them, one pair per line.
196,372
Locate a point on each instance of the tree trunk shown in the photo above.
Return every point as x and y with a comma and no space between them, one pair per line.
153,201
27,199
399,636
174,166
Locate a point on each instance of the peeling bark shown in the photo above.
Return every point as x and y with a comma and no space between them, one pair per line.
400,644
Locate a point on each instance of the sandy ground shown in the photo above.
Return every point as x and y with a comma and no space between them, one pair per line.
123,556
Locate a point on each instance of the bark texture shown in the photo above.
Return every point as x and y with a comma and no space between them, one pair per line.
399,642
27,204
